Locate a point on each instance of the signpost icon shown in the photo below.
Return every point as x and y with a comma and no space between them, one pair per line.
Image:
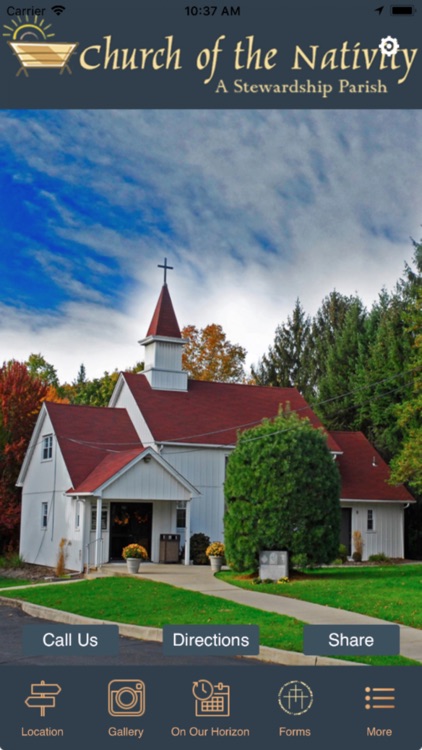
43,695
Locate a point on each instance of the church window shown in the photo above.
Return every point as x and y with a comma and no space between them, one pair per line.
47,447
44,515
94,519
78,515
181,516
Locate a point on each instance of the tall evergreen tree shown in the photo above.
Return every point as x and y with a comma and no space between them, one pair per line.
407,463
81,376
336,388
326,326
388,370
287,363
386,374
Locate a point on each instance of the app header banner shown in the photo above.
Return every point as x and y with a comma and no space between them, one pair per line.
224,56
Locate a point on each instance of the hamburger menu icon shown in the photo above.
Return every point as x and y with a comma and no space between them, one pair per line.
30,40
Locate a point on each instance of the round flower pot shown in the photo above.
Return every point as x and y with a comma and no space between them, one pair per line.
216,563
133,564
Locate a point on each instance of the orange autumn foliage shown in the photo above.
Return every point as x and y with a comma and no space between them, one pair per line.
208,355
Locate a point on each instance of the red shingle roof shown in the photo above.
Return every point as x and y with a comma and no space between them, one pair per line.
108,467
361,480
164,321
211,413
97,442
88,435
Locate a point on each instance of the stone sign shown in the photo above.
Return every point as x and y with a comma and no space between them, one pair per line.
273,564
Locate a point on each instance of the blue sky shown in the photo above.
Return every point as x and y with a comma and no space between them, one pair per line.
252,208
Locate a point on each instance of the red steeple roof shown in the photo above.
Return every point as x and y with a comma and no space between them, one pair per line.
164,321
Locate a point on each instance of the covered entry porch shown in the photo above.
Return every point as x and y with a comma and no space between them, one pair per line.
138,503
126,522
130,523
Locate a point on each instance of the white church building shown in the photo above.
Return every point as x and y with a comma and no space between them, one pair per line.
152,464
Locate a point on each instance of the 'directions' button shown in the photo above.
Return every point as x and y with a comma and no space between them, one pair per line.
332,640
78,640
210,640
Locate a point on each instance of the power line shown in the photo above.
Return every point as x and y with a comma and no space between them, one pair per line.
342,411
101,445
245,425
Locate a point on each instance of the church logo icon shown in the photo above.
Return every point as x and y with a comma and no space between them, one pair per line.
29,40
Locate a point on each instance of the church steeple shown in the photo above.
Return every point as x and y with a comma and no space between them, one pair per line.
164,321
163,345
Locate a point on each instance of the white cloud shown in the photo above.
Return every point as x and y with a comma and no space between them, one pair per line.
252,208
80,333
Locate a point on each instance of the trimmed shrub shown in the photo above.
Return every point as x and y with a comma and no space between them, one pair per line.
342,552
380,557
282,490
198,546
298,562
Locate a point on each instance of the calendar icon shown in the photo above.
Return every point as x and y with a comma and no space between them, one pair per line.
211,700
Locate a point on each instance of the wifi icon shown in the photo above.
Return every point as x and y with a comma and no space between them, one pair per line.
58,9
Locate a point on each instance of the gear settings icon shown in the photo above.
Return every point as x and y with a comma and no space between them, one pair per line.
389,46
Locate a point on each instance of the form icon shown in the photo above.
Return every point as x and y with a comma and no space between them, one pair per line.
295,697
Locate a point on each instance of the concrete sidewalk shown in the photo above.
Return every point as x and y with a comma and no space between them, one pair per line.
199,578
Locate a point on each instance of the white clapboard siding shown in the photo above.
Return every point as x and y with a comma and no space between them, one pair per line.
387,536
145,481
125,400
46,481
205,469
164,356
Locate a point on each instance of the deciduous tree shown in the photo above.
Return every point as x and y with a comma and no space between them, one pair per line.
96,392
38,367
21,396
208,355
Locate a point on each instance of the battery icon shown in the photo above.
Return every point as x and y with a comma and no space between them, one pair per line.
402,10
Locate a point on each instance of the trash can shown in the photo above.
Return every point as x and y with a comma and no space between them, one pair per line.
169,548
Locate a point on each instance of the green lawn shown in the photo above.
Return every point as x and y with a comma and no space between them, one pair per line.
156,604
13,582
392,593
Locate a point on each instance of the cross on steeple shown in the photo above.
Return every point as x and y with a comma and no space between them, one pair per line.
166,268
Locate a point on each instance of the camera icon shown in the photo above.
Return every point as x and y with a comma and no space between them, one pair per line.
126,698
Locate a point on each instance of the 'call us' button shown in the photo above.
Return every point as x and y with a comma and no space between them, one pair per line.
332,640
71,639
